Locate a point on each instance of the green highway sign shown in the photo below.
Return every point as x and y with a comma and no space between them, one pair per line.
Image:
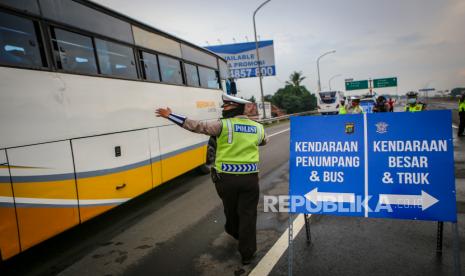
355,85
387,82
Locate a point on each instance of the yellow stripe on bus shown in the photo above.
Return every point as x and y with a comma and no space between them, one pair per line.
181,163
38,223
63,189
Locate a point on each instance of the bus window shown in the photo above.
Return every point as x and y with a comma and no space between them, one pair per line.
208,78
74,52
115,59
150,66
170,70
18,42
192,75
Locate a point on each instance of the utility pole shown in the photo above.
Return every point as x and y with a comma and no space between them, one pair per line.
318,66
329,82
259,73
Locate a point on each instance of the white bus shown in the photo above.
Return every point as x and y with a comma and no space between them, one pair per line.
79,84
328,102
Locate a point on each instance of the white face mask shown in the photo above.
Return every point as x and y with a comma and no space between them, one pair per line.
411,101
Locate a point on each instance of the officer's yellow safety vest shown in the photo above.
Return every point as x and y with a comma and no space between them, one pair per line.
342,110
461,106
237,146
356,110
415,108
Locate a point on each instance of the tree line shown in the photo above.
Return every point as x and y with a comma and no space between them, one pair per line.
293,97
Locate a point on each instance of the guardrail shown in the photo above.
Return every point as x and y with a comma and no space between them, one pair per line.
286,117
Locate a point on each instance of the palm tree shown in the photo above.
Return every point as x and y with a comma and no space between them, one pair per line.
295,79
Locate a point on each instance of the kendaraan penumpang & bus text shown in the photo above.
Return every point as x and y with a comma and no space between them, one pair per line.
397,146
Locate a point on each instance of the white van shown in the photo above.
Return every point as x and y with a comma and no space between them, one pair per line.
328,102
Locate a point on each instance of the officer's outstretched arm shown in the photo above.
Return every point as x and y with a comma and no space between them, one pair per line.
202,127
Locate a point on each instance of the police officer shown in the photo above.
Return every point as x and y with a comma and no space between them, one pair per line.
342,107
461,115
412,103
355,106
235,172
381,105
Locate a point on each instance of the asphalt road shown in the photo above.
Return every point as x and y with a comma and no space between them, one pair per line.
177,229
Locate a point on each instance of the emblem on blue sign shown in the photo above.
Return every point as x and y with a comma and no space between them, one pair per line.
381,127
350,127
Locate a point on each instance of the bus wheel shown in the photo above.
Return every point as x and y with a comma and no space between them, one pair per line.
211,154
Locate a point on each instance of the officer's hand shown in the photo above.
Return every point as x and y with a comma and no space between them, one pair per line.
163,112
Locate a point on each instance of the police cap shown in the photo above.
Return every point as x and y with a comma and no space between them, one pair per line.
411,94
227,99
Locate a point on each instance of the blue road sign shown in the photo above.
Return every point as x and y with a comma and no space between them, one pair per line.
405,171
367,107
411,165
326,163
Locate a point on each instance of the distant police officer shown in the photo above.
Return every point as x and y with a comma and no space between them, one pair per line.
355,106
461,115
381,105
412,103
342,107
235,171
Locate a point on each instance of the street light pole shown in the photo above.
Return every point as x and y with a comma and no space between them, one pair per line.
318,66
258,57
329,82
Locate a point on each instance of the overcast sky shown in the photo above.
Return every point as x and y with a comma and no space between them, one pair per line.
422,42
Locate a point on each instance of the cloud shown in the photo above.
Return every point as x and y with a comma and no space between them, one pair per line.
461,73
412,38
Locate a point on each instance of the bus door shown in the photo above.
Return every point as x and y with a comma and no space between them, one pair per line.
111,169
44,187
9,240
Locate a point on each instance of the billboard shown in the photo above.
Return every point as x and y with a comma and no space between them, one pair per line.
242,58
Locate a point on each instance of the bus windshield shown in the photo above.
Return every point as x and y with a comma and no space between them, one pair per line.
328,97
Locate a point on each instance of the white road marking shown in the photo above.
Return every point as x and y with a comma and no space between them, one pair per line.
279,132
267,263
454,126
